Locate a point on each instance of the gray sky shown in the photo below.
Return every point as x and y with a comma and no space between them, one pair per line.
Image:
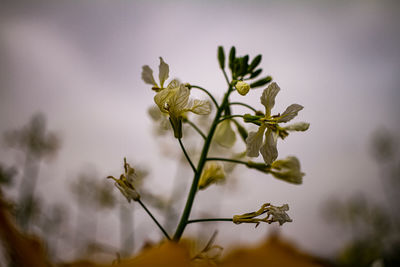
80,64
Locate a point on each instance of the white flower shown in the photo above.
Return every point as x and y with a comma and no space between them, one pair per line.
268,125
287,169
174,100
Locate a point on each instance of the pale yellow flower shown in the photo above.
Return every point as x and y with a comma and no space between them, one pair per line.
268,125
287,169
224,134
147,75
274,214
125,183
213,173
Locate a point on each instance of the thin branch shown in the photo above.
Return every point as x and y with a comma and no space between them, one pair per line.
196,128
228,160
208,93
187,156
154,219
243,104
229,117
211,220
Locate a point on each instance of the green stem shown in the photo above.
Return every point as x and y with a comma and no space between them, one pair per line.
211,220
187,156
228,160
230,117
208,93
154,219
226,78
203,158
243,104
196,128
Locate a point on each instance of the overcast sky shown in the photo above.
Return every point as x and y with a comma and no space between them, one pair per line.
80,63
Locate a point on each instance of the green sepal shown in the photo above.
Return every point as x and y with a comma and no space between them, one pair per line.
176,124
252,119
261,82
254,63
221,57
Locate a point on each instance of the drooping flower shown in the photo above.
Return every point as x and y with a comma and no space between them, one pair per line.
125,183
287,169
274,214
213,173
224,134
268,124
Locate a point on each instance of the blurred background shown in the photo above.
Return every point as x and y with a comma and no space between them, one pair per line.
70,80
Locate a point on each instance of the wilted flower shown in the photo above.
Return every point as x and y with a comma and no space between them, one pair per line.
125,183
269,124
287,169
213,173
274,214
242,87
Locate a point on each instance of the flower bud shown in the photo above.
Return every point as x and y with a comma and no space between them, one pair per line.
242,87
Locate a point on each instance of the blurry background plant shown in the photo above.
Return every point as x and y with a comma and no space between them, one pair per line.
373,227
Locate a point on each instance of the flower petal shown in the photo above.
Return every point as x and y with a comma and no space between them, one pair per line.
162,98
147,75
179,100
290,112
268,149
224,135
268,98
163,72
173,84
254,141
201,107
299,126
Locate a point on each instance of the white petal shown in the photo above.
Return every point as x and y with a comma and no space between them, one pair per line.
163,72
290,112
254,141
201,107
162,98
173,84
268,149
268,97
299,126
179,101
224,135
147,75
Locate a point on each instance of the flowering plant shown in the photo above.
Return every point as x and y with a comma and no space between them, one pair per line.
174,103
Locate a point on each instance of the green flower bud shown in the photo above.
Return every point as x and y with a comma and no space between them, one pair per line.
221,57
254,63
261,82
242,87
